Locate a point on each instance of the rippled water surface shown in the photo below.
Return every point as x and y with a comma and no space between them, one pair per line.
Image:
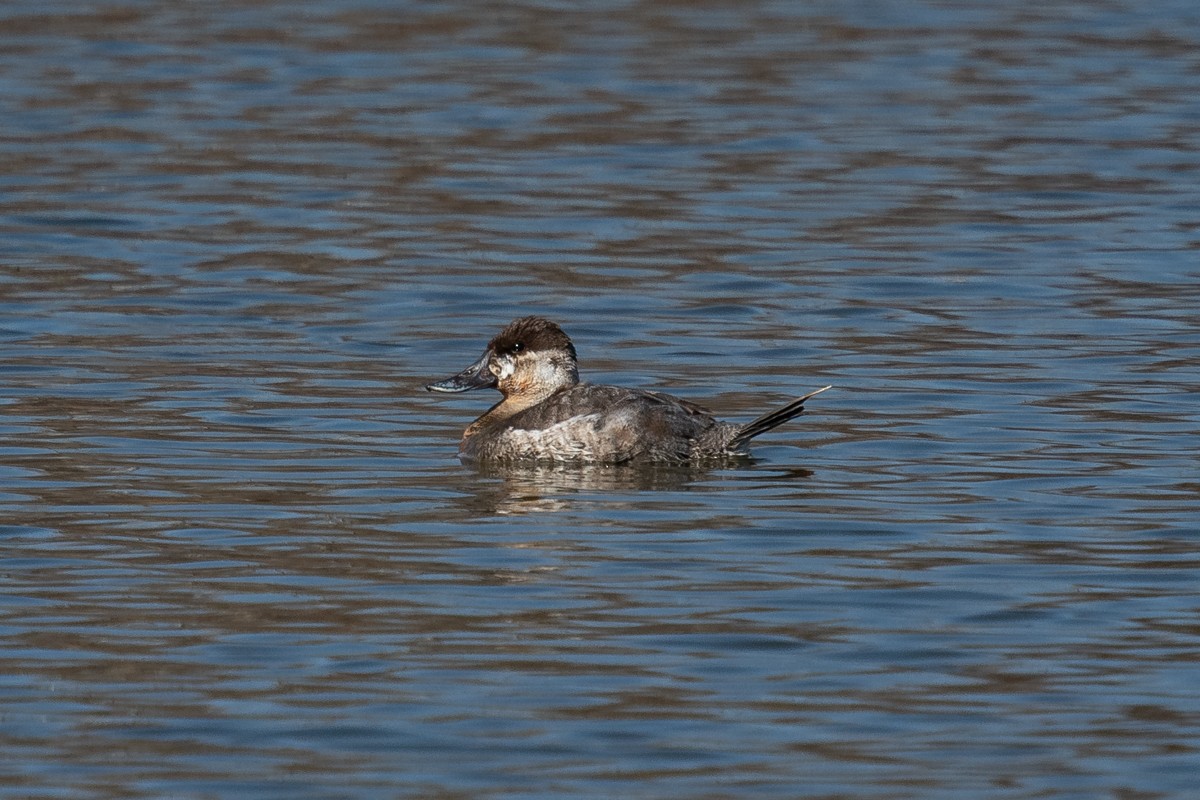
240,558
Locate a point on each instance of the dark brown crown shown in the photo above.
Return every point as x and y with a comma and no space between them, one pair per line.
531,333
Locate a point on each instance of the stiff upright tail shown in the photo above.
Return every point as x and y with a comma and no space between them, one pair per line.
771,419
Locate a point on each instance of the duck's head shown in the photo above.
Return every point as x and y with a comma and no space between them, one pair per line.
530,359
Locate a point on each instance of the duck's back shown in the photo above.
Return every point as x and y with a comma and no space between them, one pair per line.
606,424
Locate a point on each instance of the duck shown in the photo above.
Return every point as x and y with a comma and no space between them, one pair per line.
546,414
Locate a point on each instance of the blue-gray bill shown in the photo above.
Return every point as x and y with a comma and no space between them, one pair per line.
476,376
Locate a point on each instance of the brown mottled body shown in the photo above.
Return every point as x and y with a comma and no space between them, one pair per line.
602,424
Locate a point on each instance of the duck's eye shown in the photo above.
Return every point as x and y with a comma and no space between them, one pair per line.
518,347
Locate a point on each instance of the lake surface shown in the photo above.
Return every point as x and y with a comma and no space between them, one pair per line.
240,559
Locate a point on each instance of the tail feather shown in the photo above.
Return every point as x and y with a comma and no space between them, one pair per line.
771,419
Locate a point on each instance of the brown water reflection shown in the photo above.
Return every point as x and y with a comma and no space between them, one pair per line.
241,559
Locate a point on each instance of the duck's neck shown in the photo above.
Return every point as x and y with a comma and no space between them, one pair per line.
525,390
506,409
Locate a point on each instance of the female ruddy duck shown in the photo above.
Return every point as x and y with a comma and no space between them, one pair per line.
548,415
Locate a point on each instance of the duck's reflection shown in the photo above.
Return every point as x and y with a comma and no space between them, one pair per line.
533,488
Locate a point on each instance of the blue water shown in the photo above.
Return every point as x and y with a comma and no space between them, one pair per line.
240,558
